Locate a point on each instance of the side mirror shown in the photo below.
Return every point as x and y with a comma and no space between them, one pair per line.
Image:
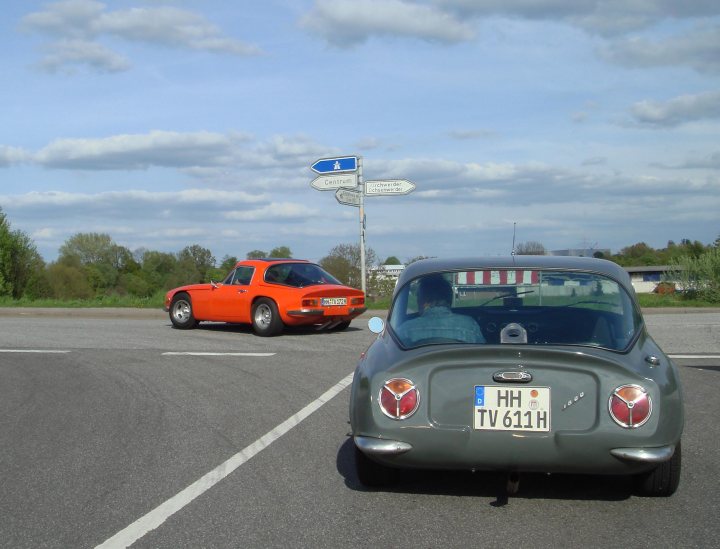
376,324
214,284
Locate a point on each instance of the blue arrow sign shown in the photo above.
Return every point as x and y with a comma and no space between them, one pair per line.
335,165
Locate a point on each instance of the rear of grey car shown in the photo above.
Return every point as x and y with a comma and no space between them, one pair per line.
559,376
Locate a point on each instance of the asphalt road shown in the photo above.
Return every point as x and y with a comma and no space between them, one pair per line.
109,431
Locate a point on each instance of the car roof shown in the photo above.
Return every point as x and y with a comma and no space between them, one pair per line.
517,262
270,260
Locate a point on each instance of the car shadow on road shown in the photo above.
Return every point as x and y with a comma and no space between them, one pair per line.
491,484
224,327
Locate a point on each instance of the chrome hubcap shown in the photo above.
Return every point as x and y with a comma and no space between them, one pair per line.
181,311
263,316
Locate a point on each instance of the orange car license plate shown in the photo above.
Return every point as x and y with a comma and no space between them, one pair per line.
333,301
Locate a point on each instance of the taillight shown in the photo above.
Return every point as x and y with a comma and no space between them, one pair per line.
630,406
399,398
309,302
357,301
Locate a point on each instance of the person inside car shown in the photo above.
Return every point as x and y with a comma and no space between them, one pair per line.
436,320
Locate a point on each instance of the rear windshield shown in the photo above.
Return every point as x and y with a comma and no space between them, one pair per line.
533,307
299,275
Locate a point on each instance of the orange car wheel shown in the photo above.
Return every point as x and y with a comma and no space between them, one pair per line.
181,313
266,321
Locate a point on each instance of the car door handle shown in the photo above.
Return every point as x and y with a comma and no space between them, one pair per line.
242,291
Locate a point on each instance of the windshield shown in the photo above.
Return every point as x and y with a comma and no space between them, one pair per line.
299,275
515,306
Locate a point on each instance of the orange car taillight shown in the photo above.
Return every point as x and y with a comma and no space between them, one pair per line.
399,398
630,406
357,301
309,302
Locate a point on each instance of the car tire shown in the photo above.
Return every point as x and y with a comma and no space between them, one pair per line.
181,312
266,321
372,474
663,480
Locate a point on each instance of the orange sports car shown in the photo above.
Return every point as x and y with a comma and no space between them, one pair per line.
269,294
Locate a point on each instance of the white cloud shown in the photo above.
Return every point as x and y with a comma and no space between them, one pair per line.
65,55
12,155
682,109
77,25
133,152
348,22
273,211
698,48
600,16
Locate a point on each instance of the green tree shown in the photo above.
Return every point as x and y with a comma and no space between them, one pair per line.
256,254
698,276
68,282
195,262
228,263
531,247
280,251
21,266
392,260
343,262
159,270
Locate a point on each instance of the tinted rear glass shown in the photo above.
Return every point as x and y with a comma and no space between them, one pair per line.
533,307
299,275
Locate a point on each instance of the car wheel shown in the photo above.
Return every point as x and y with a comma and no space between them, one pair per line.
266,320
663,480
340,327
181,313
372,474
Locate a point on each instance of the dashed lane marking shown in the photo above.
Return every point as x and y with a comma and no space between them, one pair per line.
183,353
40,351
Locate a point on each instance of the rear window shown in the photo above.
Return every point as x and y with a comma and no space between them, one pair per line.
299,275
533,307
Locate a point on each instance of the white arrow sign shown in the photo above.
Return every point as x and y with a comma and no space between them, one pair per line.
348,197
332,182
388,186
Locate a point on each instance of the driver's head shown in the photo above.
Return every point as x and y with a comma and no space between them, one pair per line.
434,291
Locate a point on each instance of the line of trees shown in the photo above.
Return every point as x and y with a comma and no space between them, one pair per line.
91,265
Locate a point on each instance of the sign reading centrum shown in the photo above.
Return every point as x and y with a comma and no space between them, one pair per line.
332,182
388,186
335,165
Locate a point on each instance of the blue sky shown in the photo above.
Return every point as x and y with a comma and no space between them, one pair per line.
165,124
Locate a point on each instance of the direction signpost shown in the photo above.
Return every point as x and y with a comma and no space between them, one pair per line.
348,197
335,165
344,175
332,182
388,187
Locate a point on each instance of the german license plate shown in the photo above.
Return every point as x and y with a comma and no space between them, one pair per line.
333,301
502,408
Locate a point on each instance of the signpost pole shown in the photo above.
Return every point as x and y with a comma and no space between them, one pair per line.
361,186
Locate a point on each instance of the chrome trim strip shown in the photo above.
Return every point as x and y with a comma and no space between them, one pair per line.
370,445
646,455
307,312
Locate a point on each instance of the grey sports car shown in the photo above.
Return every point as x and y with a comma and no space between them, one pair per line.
517,364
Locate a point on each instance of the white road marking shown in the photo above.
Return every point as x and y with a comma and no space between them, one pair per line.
32,351
160,514
179,353
695,356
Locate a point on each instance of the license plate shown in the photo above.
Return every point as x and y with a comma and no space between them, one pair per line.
502,408
333,301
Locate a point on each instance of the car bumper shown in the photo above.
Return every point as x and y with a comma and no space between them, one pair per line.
403,454
350,312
